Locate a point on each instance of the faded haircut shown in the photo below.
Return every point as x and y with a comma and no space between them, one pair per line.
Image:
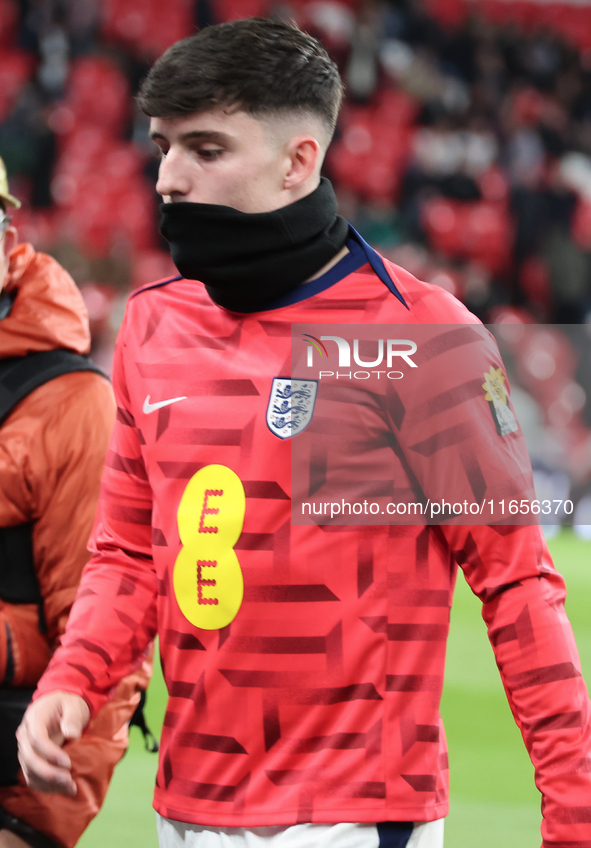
262,67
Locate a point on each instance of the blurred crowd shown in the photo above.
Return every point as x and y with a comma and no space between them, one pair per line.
463,153
470,145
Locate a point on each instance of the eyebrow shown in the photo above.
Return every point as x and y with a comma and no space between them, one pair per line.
200,135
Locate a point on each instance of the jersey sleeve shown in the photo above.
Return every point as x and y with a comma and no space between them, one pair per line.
113,619
511,571
455,429
458,437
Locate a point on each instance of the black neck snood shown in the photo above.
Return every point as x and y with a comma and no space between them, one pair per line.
248,260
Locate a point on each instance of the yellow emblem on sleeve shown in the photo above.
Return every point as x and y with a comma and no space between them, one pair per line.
498,401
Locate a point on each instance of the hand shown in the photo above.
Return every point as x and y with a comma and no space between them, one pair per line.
48,723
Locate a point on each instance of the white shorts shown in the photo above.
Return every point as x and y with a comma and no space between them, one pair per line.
174,834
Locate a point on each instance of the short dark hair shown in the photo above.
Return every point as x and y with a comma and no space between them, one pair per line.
260,66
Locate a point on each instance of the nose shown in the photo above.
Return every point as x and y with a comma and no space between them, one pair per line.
173,181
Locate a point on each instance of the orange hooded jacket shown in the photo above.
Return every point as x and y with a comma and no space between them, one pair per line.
52,450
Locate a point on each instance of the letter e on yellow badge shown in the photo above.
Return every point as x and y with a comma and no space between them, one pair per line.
207,578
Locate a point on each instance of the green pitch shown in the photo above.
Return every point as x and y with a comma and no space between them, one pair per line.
493,798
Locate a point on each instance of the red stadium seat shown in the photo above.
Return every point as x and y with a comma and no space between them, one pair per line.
98,93
135,217
370,155
37,226
234,10
15,69
527,106
480,230
395,107
487,235
581,224
149,27
545,364
106,200
8,22
106,217
450,13
85,153
493,185
442,220
534,280
568,19
99,300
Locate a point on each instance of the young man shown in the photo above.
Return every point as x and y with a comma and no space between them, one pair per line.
53,442
304,664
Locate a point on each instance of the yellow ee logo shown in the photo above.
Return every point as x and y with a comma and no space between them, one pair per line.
207,578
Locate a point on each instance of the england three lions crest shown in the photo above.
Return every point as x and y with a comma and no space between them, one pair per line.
291,405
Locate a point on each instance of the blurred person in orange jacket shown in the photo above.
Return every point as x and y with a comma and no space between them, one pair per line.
52,449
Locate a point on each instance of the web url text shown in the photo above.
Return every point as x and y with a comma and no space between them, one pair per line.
440,509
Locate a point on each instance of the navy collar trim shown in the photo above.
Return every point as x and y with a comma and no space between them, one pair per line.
155,285
360,253
377,263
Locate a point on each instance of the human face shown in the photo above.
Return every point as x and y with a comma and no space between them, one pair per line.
223,158
7,242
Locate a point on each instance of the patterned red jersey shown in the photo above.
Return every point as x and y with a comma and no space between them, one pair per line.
304,664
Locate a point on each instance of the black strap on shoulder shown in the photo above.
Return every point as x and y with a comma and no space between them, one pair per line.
18,579
19,376
28,834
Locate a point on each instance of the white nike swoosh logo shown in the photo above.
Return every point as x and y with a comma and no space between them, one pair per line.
152,407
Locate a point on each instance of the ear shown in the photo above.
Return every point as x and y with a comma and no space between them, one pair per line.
10,242
305,157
